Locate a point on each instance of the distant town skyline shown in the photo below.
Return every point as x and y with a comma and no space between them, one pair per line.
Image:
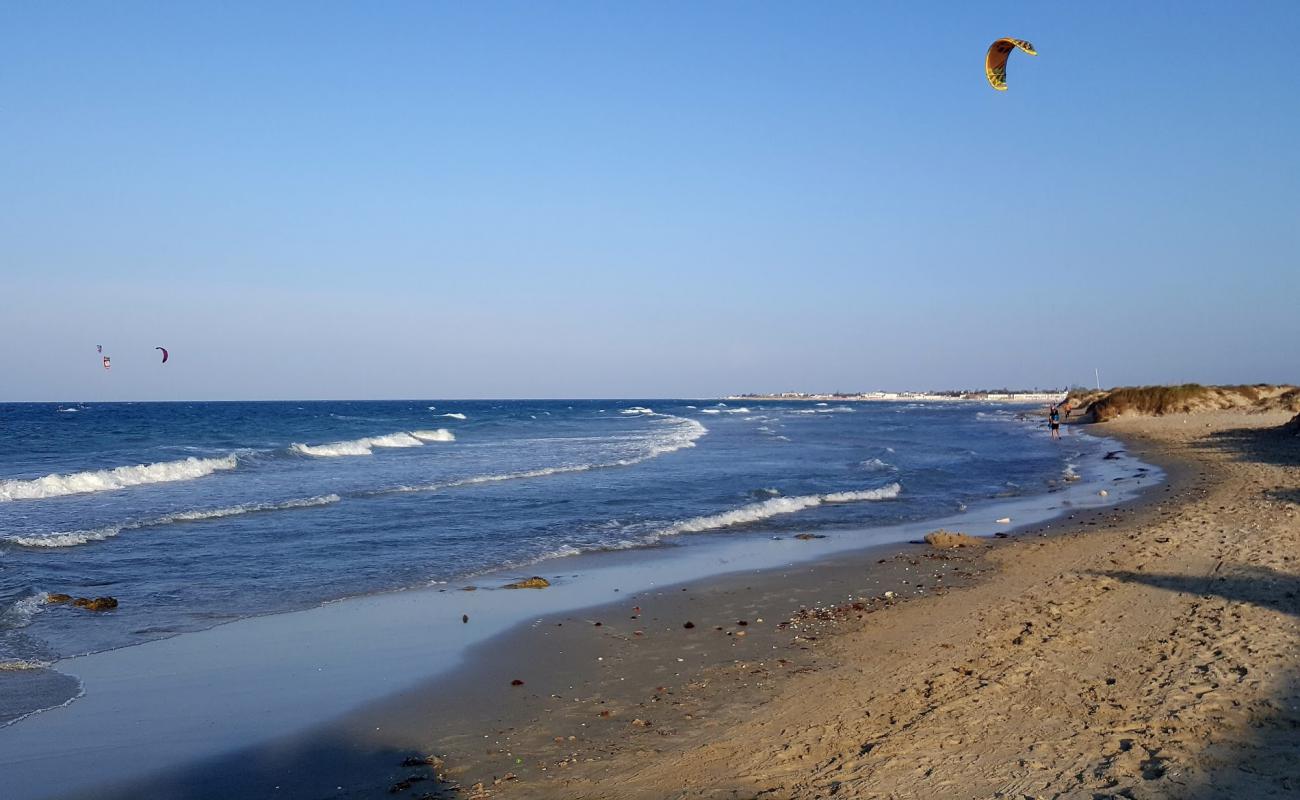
642,200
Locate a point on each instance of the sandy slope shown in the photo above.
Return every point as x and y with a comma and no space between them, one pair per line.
1156,659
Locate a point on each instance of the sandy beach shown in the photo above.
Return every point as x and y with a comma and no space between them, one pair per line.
1147,652
1152,654
1142,650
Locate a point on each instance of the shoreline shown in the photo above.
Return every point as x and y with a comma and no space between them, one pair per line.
343,739
1078,662
181,672
1148,654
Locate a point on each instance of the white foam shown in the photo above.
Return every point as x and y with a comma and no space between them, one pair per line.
876,465
710,411
682,433
883,493
453,415
396,440
741,410
637,410
19,664
756,512
440,435
74,538
20,614
107,480
357,447
365,445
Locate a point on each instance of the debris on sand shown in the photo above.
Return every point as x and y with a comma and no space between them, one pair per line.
808,536
1004,521
464,617
406,783
534,582
516,682
945,540
689,625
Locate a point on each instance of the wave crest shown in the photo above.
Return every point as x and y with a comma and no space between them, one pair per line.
74,538
107,480
756,512
440,435
684,433
365,445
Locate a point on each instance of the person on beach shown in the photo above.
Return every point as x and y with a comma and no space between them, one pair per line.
1054,419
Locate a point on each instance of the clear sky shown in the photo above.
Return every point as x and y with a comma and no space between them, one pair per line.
542,199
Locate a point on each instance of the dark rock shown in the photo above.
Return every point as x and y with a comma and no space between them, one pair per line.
534,582
464,617
689,625
58,598
98,604
807,536
516,682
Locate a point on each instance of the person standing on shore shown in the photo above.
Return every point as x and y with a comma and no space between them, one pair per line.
1054,420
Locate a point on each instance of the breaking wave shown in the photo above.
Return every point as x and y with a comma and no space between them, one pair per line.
365,445
756,512
453,415
440,435
107,480
74,538
876,465
683,435
637,410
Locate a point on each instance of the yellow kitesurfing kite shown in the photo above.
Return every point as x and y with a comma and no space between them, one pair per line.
995,63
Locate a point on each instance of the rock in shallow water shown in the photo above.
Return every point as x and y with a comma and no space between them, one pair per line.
98,604
534,582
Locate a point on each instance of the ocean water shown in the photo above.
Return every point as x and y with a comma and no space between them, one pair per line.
193,514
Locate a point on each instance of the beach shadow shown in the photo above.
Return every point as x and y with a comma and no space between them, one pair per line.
1266,445
304,768
1284,495
1265,766
1260,586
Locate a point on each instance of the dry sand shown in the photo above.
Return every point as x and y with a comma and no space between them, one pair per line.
1153,657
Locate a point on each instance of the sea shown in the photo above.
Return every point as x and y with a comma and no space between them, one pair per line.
196,514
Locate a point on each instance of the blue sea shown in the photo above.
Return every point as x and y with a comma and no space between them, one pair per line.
194,514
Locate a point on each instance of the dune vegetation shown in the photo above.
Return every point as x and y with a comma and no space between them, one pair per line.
1187,398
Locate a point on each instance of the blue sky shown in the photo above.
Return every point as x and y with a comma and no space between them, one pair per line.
643,199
